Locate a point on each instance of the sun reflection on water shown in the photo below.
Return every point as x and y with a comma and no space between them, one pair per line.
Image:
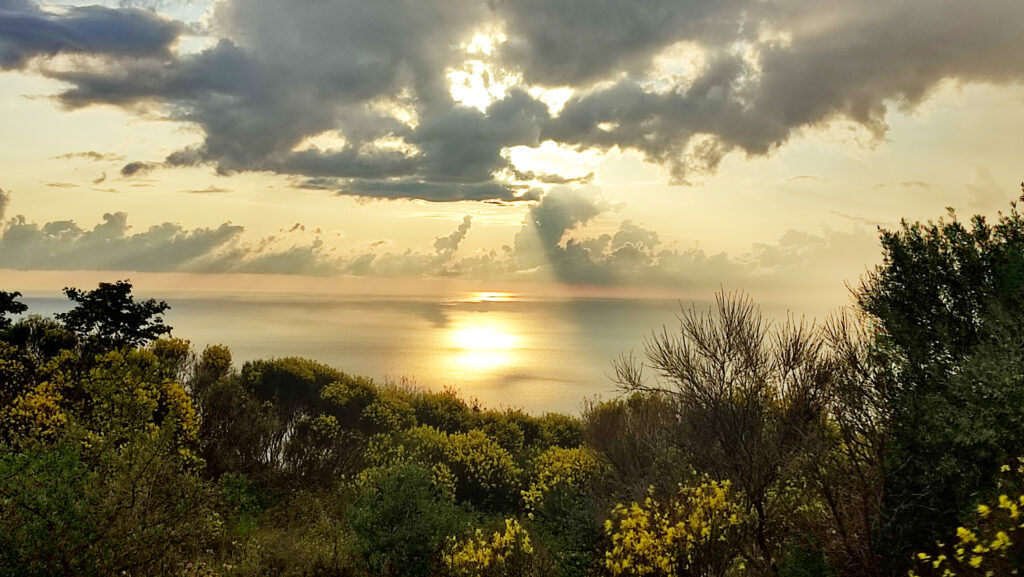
483,344
490,297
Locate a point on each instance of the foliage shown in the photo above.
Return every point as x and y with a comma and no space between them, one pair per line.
948,302
10,305
694,533
487,475
40,339
15,372
792,450
442,410
752,403
574,468
991,543
74,510
109,316
558,430
568,523
400,524
802,558
301,536
502,553
638,436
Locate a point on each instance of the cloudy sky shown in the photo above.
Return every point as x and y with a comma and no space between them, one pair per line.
668,144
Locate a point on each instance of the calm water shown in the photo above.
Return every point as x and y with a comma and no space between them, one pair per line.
506,350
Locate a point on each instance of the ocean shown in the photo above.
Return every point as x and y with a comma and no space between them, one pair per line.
503,349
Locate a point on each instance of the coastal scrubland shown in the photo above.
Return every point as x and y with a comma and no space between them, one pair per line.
882,441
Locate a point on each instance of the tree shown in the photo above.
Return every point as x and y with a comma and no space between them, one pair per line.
752,403
109,316
947,302
9,304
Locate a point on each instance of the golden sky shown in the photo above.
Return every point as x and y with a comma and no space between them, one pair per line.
666,146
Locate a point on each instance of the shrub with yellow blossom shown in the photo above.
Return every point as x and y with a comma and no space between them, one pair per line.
988,546
487,475
693,533
37,412
557,466
499,554
474,466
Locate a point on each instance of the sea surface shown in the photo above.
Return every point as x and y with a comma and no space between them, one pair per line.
504,349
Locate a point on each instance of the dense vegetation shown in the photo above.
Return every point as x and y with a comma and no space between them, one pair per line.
881,442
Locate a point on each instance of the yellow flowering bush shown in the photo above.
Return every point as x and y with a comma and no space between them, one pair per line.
37,412
498,554
989,546
471,465
390,411
15,372
693,530
486,473
557,466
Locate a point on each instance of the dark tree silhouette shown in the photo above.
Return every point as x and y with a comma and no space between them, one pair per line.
9,304
110,317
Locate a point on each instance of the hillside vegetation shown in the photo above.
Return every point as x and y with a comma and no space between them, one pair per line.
883,441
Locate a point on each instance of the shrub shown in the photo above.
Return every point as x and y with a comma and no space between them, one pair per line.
487,476
101,511
567,522
693,533
444,411
573,468
638,437
401,523
508,552
990,543
559,430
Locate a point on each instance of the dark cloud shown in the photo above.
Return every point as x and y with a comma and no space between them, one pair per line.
574,42
111,245
100,179
26,32
137,168
551,243
376,73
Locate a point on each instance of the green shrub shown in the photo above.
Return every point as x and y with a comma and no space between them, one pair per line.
401,524
567,522
559,430
444,411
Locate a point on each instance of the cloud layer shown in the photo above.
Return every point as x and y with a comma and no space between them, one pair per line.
552,244
355,96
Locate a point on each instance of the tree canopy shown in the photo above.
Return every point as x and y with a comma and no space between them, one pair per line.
110,316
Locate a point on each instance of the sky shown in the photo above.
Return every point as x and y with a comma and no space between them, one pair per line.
665,147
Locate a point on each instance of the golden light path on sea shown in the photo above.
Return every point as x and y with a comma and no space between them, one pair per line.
484,341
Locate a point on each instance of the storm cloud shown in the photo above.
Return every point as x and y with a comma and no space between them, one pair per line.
355,96
27,32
